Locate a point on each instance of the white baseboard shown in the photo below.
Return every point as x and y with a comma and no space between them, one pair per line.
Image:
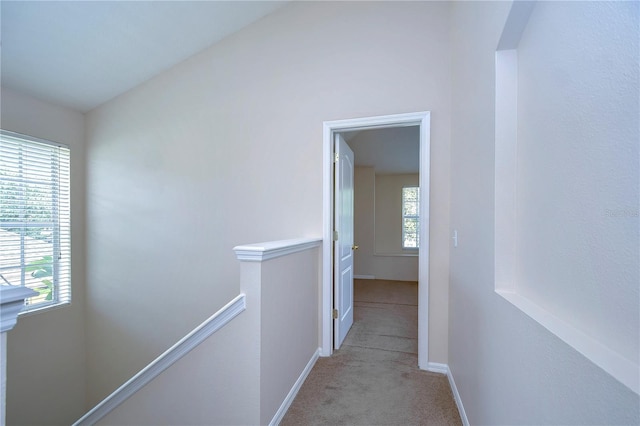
436,367
277,418
456,396
364,277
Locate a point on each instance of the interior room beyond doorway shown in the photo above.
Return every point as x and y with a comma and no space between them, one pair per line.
387,162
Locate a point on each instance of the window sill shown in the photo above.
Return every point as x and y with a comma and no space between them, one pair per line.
44,309
624,370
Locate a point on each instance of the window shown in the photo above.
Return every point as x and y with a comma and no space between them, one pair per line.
410,217
35,240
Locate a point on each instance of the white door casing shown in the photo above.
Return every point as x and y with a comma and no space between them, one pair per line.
343,246
330,128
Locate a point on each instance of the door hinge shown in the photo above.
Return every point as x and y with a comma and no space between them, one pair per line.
335,314
336,157
335,235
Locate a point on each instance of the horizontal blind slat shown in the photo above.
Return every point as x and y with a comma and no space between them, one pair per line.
35,217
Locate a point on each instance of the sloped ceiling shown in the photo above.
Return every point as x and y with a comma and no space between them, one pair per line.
80,54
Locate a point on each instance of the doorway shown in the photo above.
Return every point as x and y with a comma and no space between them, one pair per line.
422,120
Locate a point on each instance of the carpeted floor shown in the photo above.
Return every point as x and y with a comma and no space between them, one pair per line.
373,379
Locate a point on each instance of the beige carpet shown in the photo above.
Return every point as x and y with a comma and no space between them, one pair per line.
374,379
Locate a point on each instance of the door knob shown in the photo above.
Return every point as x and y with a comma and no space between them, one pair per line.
354,247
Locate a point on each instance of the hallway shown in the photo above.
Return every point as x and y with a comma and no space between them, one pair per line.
373,379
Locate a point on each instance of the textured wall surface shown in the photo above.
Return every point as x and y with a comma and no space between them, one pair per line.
578,180
364,204
46,351
289,325
508,368
226,149
378,226
241,374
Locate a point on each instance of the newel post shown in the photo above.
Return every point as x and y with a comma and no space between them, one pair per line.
11,303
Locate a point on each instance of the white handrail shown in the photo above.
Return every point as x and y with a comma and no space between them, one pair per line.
164,361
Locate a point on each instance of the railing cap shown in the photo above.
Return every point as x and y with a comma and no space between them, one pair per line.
11,303
260,252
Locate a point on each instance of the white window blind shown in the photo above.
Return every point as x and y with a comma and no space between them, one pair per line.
410,217
35,234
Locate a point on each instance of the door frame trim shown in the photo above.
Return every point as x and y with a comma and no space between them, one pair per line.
423,120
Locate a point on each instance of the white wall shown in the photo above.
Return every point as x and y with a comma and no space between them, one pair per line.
45,354
204,387
508,368
364,204
378,231
242,373
578,151
390,261
288,319
226,148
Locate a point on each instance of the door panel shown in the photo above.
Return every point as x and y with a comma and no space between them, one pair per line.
343,247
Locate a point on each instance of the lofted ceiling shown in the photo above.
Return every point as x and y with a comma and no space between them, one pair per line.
80,54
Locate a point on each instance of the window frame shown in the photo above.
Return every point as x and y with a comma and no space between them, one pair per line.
33,155
416,217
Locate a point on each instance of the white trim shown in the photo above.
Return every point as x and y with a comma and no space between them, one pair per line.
436,367
364,277
260,252
422,119
456,397
277,418
22,136
164,361
12,302
416,254
624,370
58,187
505,168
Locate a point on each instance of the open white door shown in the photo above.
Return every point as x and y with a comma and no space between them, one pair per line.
329,288
343,244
